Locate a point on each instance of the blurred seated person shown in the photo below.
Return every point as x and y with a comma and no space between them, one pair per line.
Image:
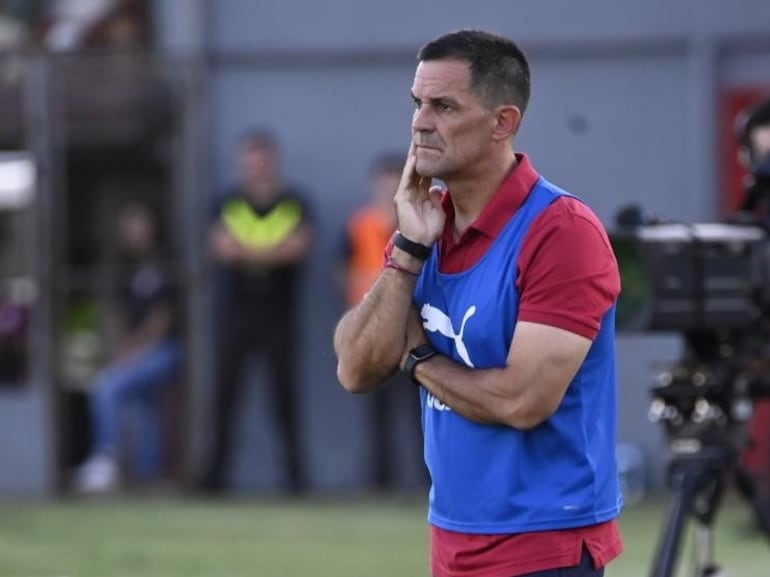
147,357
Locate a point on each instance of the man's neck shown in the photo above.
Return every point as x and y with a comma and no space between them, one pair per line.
472,192
262,193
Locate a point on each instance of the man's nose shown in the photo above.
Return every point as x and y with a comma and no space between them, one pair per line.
422,120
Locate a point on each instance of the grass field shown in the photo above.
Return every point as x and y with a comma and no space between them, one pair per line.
266,538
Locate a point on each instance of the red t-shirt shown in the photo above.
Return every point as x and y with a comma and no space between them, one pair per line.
570,284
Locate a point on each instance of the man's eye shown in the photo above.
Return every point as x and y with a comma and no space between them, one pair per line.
444,107
417,103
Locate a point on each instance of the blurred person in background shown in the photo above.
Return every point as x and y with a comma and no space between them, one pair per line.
17,298
361,260
16,20
77,24
498,301
68,25
260,237
754,149
753,472
147,358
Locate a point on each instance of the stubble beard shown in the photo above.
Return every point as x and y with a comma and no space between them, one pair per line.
430,168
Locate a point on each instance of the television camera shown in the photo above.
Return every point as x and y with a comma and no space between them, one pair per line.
710,282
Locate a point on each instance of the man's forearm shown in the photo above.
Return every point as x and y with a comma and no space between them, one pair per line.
291,250
369,339
481,395
524,392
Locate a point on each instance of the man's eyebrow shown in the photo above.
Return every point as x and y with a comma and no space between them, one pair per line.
435,99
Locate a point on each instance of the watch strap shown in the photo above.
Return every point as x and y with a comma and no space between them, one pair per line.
416,356
415,249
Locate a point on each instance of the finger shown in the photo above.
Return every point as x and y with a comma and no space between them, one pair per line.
425,187
409,177
436,193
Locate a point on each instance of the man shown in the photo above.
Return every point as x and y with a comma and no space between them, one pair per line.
260,237
753,472
498,299
367,233
147,358
754,143
369,229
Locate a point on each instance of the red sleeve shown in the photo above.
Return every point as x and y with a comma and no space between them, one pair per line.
568,274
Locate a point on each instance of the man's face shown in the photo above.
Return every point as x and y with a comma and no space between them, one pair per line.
451,127
136,231
258,164
760,141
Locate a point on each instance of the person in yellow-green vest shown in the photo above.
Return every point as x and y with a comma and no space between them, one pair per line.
261,234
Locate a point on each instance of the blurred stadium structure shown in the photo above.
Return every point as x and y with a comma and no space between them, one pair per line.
150,104
90,117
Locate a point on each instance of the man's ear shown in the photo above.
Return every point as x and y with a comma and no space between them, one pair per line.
507,122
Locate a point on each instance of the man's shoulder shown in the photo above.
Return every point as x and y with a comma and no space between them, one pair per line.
573,205
566,218
567,204
293,192
225,198
294,195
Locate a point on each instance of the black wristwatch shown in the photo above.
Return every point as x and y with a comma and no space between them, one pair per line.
415,249
416,356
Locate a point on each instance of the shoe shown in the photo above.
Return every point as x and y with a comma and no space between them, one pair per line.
99,474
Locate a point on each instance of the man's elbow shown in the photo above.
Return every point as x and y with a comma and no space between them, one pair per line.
525,416
354,380
360,372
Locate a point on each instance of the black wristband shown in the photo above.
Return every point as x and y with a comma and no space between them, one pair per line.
415,249
416,356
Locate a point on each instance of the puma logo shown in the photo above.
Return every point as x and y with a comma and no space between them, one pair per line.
434,320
